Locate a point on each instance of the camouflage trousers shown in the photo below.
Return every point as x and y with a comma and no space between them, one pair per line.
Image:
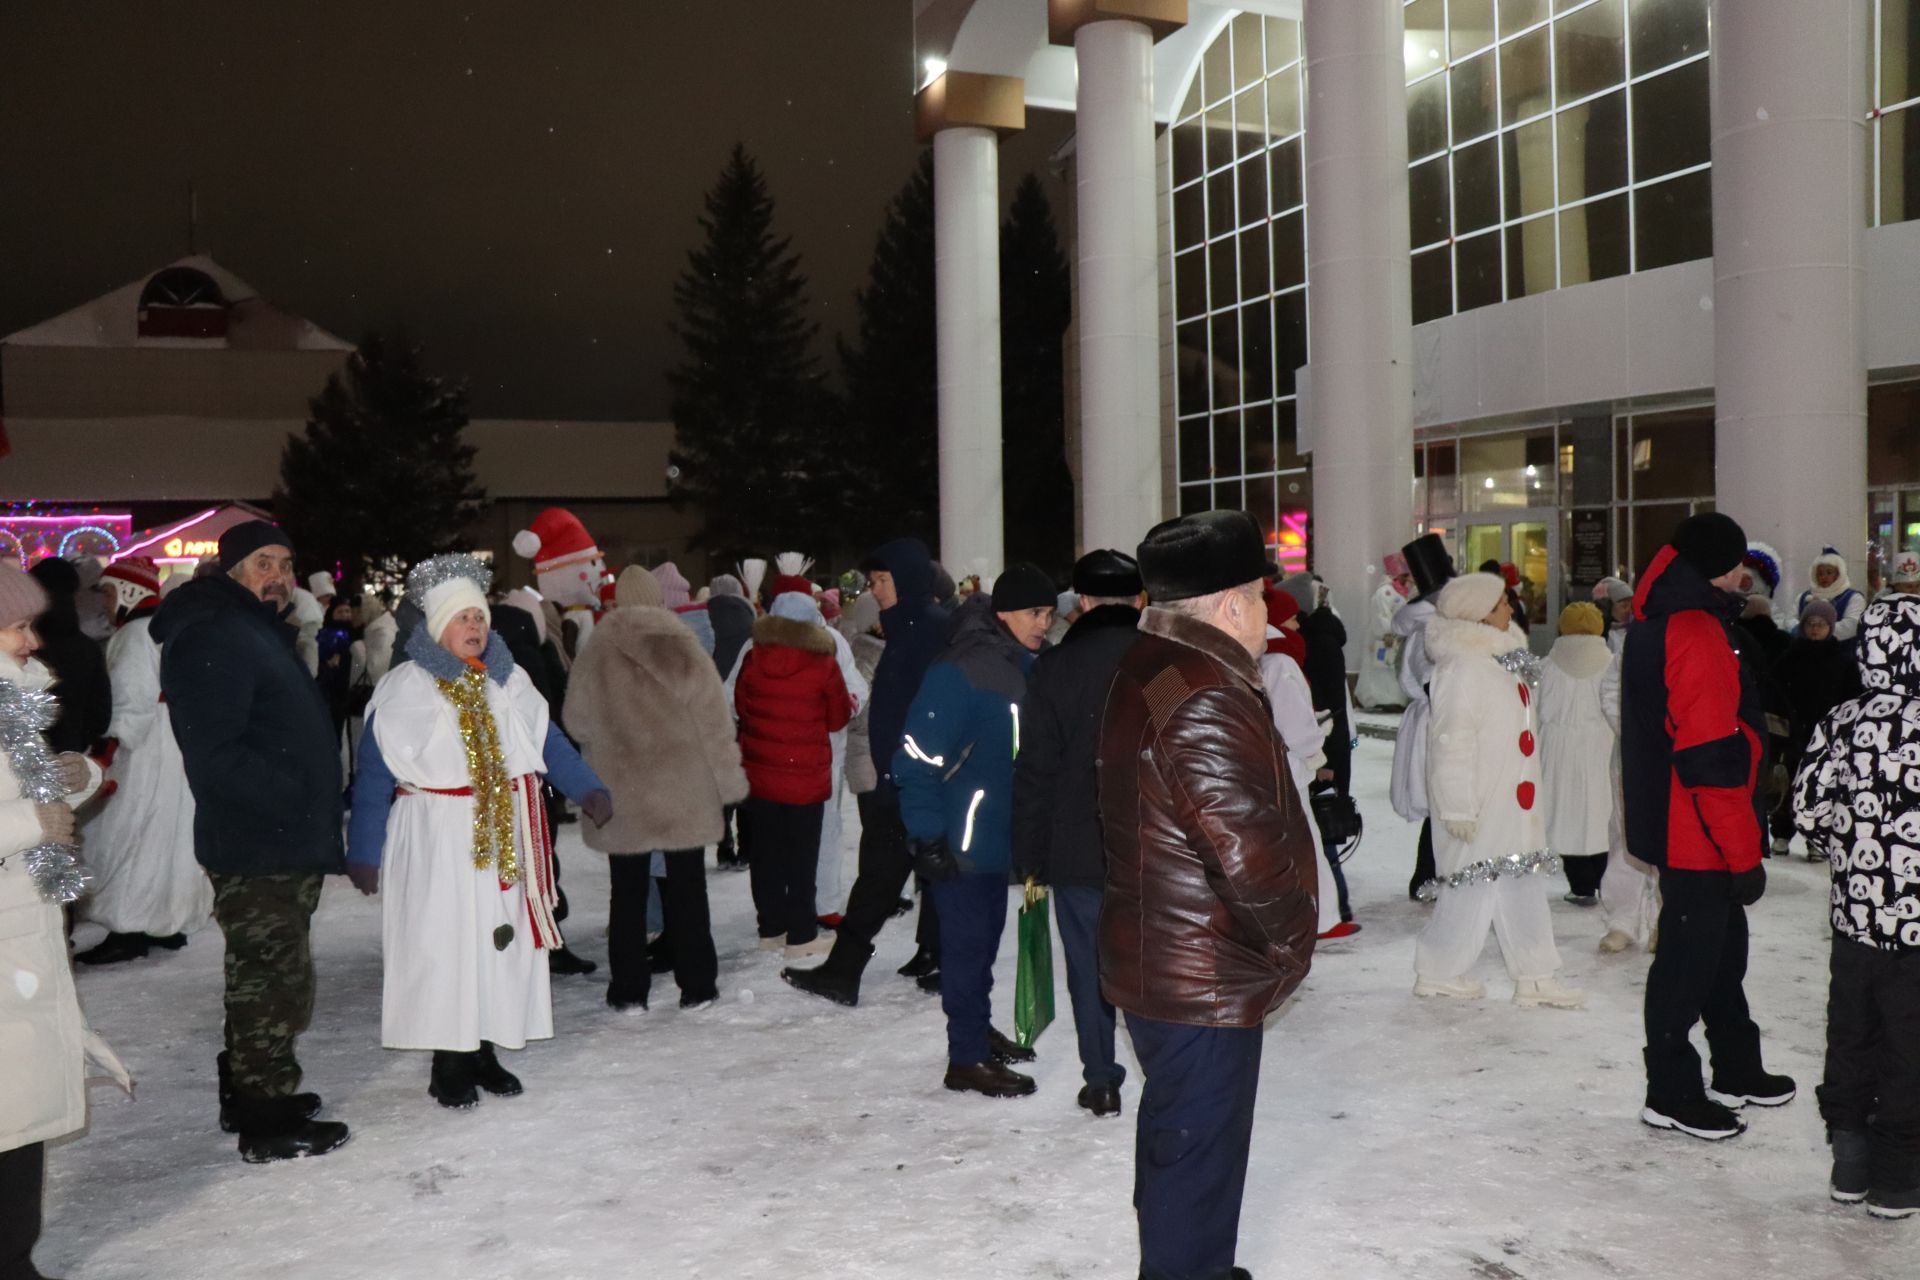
269,975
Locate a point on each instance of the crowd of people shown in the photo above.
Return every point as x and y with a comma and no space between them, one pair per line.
1165,749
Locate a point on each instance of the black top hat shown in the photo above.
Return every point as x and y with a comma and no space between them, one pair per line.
1107,575
1429,563
1198,555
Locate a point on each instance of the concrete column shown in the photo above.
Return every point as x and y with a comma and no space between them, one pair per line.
966,239
1119,304
1360,321
1789,217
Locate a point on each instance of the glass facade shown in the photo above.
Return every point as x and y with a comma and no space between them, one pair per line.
1553,144
1894,91
1240,280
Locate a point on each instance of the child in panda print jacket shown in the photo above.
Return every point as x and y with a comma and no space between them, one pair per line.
1857,799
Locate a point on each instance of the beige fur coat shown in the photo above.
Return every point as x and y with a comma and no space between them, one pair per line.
651,718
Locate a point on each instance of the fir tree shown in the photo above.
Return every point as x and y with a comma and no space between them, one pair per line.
381,474
892,375
750,416
1036,306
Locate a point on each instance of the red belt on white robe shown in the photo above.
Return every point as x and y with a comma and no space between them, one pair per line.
530,830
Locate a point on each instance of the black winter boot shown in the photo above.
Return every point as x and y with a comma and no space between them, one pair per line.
272,1129
1695,1117
923,963
825,982
1762,1089
452,1082
562,963
171,942
116,948
491,1076
1005,1050
1850,1165
1895,1176
305,1106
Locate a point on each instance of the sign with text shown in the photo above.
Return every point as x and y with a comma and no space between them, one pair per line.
1591,558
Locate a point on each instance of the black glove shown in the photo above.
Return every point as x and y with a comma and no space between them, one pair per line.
365,877
1747,886
933,860
598,806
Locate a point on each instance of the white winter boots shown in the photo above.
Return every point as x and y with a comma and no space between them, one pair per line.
1532,993
1458,988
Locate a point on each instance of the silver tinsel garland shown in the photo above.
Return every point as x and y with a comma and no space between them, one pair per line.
24,713
1522,662
1487,870
429,574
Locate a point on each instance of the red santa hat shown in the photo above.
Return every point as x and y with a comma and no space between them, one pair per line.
555,538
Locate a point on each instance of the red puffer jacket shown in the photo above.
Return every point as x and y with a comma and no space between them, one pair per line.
788,697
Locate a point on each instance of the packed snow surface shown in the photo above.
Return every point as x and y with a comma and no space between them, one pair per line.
774,1135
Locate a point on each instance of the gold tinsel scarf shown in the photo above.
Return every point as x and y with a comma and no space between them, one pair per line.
487,774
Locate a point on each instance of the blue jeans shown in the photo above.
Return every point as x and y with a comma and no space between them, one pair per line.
1076,909
1190,1147
973,914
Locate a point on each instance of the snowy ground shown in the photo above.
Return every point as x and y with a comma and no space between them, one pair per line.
777,1136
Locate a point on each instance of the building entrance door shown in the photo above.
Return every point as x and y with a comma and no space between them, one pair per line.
1528,539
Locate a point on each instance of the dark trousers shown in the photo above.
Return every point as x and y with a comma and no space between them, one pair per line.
1872,1082
1696,977
23,1174
973,914
1076,909
269,972
689,927
786,858
1584,872
1422,860
885,869
1194,1130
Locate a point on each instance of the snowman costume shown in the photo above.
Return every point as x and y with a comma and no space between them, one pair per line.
1378,686
1483,784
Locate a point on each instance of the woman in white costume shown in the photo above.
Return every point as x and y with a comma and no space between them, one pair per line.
1577,743
447,800
1483,783
1378,687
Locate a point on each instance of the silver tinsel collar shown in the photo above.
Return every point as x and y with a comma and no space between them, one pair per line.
429,574
1522,662
1487,870
55,868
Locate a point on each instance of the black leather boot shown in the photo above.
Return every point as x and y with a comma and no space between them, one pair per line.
272,1129
452,1082
304,1105
491,1076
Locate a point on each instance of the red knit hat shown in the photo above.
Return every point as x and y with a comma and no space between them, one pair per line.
785,582
555,537
135,581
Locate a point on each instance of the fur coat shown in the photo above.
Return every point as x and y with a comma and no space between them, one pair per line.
647,709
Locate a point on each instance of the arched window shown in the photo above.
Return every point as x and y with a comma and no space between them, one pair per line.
182,302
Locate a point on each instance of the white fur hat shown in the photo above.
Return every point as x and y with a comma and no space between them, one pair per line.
1471,596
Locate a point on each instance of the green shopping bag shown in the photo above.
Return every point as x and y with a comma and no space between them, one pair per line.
1033,984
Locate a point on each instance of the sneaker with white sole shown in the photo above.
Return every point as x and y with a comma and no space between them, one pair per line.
1893,1204
1762,1090
1697,1117
1458,988
1534,993
822,943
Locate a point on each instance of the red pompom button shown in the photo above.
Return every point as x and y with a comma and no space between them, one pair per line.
1525,795
1526,698
1526,743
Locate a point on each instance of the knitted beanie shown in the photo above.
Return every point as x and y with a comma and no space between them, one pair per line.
1471,596
454,596
675,590
22,598
638,586
728,585
1822,609
1582,619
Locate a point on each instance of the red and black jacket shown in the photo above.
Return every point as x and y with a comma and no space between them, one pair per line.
1692,725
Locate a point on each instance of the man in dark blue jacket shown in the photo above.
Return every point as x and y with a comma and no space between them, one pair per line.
955,774
1056,796
263,763
900,575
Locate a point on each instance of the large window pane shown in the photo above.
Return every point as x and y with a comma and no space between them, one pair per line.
1673,221
1426,38
1283,43
1226,444
1196,444
1222,205
1189,153
1665,31
1593,147
1195,498
1672,454
1589,50
1257,435
1256,280
1893,434
1427,201
1899,51
1476,187
1670,122
1283,104
1530,257
1194,371
1593,241
1476,271
1473,98
1250,122
1286,438
1248,65
1900,166
1432,285
1190,285
1289,339
1470,26
1289,251
1256,349
1518,15
1216,71
1285,176
1529,169
1427,117
1189,216
1219,128
1253,190
1224,271
1226,359
1524,80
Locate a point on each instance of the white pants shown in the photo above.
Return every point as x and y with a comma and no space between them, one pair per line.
1515,906
829,882
1630,895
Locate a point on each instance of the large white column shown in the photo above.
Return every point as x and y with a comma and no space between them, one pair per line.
1119,308
1360,318
1789,217
966,248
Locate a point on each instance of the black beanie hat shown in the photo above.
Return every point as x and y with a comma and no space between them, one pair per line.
1711,542
1107,575
1023,586
241,541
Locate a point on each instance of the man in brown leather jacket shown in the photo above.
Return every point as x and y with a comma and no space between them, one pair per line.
1209,917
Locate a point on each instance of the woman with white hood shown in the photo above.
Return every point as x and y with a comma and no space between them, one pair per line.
1830,583
1577,745
1483,783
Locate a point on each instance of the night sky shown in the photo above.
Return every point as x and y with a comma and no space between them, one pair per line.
516,183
